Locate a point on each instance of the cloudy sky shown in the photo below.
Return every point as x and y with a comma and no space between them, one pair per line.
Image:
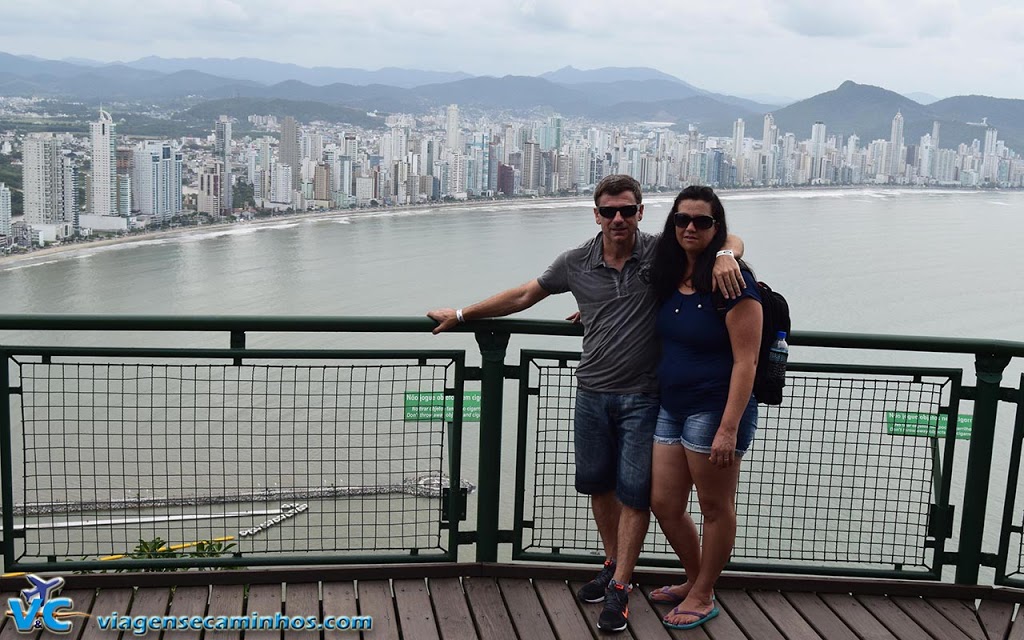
793,48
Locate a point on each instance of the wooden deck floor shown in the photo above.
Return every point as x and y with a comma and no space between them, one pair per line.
511,607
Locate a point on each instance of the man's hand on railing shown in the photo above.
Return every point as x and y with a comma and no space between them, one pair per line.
445,319
574,318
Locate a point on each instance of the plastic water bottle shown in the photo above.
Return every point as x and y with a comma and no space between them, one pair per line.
778,354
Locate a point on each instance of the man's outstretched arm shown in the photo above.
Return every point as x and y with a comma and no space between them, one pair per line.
726,276
502,304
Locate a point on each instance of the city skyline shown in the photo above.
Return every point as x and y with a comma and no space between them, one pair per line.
940,47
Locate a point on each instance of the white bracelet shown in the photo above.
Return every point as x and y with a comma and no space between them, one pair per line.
458,315
724,252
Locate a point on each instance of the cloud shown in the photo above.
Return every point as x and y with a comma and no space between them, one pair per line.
818,19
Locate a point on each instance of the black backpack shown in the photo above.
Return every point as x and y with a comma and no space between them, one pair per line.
775,318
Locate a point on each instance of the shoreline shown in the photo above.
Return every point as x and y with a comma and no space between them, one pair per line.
216,228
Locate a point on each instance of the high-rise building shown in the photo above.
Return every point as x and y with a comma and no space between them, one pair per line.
209,200
935,134
818,137
990,159
322,182
281,185
896,146
124,181
737,149
103,189
771,132
48,182
531,171
5,210
222,152
453,134
290,151
156,180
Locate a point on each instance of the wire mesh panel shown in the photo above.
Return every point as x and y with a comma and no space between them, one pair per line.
277,459
843,474
1010,564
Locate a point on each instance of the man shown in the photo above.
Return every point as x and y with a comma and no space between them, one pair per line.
617,394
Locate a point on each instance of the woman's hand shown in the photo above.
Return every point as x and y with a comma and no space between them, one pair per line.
723,449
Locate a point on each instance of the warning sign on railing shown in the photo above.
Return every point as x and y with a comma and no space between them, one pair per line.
424,406
909,423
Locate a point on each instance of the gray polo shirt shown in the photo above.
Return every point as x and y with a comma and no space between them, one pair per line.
617,309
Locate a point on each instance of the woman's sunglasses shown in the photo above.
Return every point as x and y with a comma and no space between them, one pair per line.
701,223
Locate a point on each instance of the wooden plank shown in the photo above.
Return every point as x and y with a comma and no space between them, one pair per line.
856,617
492,619
962,614
644,619
412,602
524,608
303,600
226,600
567,620
995,618
784,616
339,599
150,601
1017,631
187,601
375,600
661,609
821,618
265,601
895,620
747,615
929,618
451,609
108,601
83,600
591,611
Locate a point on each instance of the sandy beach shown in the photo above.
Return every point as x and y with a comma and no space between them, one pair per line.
73,249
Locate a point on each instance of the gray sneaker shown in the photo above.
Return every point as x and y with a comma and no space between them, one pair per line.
615,615
594,590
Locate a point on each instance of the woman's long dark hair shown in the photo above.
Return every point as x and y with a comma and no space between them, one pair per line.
670,261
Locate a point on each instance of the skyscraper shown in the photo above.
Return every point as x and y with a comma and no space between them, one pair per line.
817,149
896,146
103,185
452,131
737,149
5,210
48,182
222,151
156,180
531,166
290,151
990,161
210,200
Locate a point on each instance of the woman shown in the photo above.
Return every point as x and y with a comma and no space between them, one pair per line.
708,415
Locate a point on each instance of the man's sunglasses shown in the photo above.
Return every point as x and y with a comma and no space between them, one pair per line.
627,211
701,223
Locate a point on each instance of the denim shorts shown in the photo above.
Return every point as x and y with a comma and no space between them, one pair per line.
612,434
696,431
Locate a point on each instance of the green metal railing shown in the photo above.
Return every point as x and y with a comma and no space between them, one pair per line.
832,485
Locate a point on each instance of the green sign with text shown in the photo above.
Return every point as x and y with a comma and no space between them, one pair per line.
426,406
908,423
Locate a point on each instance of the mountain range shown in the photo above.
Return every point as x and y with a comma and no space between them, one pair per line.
615,94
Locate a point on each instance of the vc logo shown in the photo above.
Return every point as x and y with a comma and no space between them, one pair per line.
40,607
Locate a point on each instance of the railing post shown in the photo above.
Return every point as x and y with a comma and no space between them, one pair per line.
989,369
493,346
6,462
